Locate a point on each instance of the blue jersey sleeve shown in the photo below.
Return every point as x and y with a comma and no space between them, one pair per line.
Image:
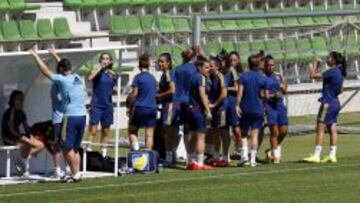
58,78
135,82
327,74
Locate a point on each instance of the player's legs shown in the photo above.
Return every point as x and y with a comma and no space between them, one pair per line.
106,122
149,138
226,140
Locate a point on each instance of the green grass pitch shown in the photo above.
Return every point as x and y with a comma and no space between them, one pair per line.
290,181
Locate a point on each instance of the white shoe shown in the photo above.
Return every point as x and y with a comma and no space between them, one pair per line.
59,174
244,163
26,174
253,164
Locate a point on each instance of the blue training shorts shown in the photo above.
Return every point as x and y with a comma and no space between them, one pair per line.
143,117
328,113
72,132
252,121
197,121
103,115
277,115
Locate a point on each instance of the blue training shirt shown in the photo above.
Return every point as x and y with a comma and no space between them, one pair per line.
253,82
217,84
146,84
164,85
73,93
273,85
183,76
198,80
57,103
231,77
103,85
332,84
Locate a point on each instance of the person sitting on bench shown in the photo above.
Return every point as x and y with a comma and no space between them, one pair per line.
16,131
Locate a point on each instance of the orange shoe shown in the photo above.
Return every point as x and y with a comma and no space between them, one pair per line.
195,166
221,163
206,167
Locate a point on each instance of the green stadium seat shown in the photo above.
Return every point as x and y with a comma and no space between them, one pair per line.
305,20
260,23
214,25
163,48
304,49
4,5
142,2
274,48
352,48
319,46
10,31
118,25
244,49
349,7
165,24
212,47
184,2
291,21
147,22
291,53
124,69
89,4
45,29
1,35
181,24
72,4
228,46
336,43
244,24
121,2
104,3
28,30
176,54
62,28
20,5
257,45
133,25
230,24
335,19
275,22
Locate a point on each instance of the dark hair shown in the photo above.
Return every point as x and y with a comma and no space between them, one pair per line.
217,61
189,54
254,61
144,61
200,61
13,96
340,61
168,58
110,56
223,55
65,64
267,58
105,53
239,67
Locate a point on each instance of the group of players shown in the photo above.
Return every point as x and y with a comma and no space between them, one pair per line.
205,96
210,96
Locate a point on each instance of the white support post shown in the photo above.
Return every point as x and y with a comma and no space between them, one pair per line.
311,5
97,26
8,164
7,16
341,5
357,69
111,11
297,73
78,15
326,3
117,124
282,5
296,4
85,160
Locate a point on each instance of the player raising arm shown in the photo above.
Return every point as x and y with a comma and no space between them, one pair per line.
333,79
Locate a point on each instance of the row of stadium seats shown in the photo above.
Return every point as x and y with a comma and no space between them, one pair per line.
142,25
16,6
22,30
290,49
93,4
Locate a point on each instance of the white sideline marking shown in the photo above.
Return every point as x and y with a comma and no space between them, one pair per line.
169,180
